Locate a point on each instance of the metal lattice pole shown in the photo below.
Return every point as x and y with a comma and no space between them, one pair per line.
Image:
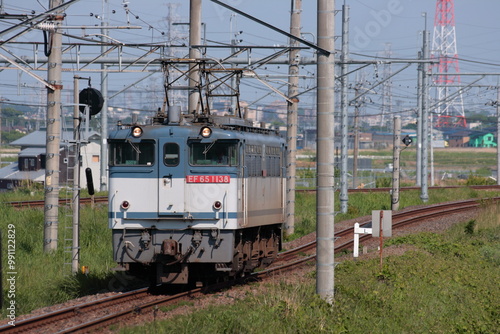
447,78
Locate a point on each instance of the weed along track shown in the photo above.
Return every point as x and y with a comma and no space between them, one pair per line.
135,305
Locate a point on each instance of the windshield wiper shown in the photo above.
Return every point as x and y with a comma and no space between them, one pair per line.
209,147
134,146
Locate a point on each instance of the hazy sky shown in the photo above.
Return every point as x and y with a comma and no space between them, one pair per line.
373,24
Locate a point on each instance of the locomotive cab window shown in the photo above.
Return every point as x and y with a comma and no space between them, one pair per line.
171,154
217,153
126,153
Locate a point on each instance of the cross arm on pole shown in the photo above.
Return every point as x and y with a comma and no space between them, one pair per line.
28,72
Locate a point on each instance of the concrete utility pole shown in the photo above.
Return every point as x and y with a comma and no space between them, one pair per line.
386,88
53,134
194,39
396,164
424,196
344,104
419,120
1,100
498,133
292,116
355,150
75,250
104,110
325,214
234,42
431,149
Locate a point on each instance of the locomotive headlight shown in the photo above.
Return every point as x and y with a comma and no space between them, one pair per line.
217,205
125,205
205,132
136,131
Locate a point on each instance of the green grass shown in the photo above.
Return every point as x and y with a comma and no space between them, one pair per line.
43,279
466,160
35,192
453,159
446,283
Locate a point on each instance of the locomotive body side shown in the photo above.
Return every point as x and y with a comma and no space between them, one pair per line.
183,207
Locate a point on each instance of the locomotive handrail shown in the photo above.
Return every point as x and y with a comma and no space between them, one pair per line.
112,198
225,209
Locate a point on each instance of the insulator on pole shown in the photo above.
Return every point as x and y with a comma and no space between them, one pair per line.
47,26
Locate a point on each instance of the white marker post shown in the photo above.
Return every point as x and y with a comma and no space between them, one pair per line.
357,231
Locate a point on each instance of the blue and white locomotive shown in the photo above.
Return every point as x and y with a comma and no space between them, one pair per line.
195,197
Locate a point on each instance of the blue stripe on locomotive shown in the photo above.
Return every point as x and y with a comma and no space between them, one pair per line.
154,215
194,215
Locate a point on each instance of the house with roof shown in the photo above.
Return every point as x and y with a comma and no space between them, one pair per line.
30,165
482,139
458,138
471,138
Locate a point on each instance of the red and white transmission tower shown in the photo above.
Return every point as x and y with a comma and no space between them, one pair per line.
450,107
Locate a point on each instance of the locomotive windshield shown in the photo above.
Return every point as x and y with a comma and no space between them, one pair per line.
125,153
222,153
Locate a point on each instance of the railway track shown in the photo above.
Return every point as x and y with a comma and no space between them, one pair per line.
345,237
95,315
386,189
41,203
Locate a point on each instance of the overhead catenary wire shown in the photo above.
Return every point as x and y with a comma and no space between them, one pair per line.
135,10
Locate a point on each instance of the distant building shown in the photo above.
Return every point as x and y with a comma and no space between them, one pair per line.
459,138
483,140
382,140
471,138
30,165
363,163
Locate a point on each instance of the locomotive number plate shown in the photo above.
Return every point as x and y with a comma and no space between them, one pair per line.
208,178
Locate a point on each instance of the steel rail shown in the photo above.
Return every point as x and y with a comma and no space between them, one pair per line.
387,189
115,317
63,314
41,203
